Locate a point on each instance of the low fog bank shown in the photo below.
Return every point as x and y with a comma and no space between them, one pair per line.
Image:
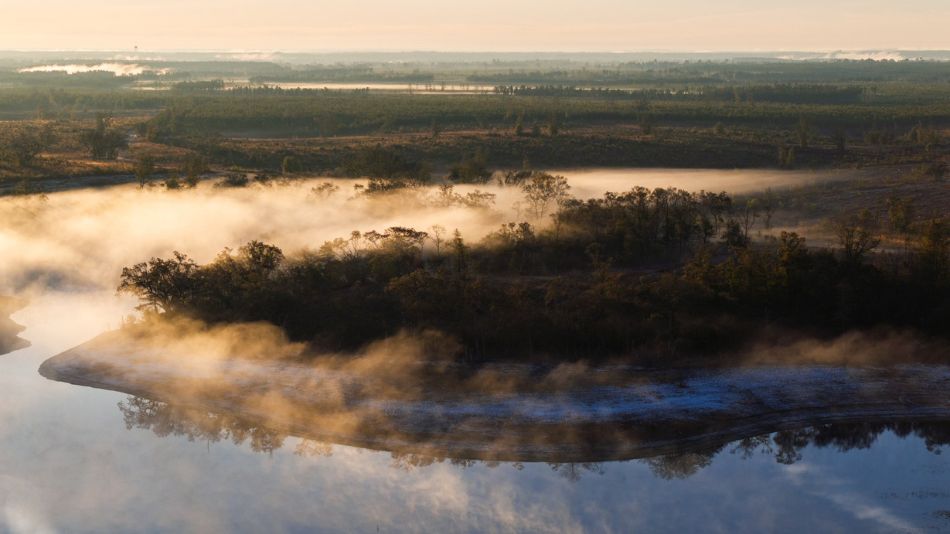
407,392
83,238
71,246
589,183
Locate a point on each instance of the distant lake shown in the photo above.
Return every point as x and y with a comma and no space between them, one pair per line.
420,88
398,87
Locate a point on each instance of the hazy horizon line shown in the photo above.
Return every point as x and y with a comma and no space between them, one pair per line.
480,51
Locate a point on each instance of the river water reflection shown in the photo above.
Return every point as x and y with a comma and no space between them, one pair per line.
83,460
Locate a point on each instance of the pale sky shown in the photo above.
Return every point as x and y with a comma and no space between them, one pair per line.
485,25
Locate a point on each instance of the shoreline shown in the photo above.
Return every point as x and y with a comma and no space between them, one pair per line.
645,414
9,329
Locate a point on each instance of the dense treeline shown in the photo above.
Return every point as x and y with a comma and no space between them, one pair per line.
565,150
338,113
787,93
796,94
62,80
207,107
660,272
348,73
63,103
725,72
730,128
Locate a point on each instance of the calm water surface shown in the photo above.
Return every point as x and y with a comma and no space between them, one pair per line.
75,459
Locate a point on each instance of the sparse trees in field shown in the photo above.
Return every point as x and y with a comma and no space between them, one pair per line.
459,253
377,186
22,146
924,135
840,140
172,183
554,124
192,169
447,197
786,156
234,179
803,132
647,123
437,235
541,190
769,204
289,165
857,236
103,141
388,165
750,214
934,170
734,236
472,169
144,169
715,207
324,190
900,213
933,254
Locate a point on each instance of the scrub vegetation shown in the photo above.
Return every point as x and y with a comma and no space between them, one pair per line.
767,114
659,273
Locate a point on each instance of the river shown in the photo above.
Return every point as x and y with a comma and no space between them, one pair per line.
78,459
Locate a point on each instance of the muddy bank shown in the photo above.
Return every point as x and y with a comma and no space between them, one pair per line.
633,413
9,330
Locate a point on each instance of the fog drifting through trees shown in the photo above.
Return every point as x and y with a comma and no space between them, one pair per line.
82,239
